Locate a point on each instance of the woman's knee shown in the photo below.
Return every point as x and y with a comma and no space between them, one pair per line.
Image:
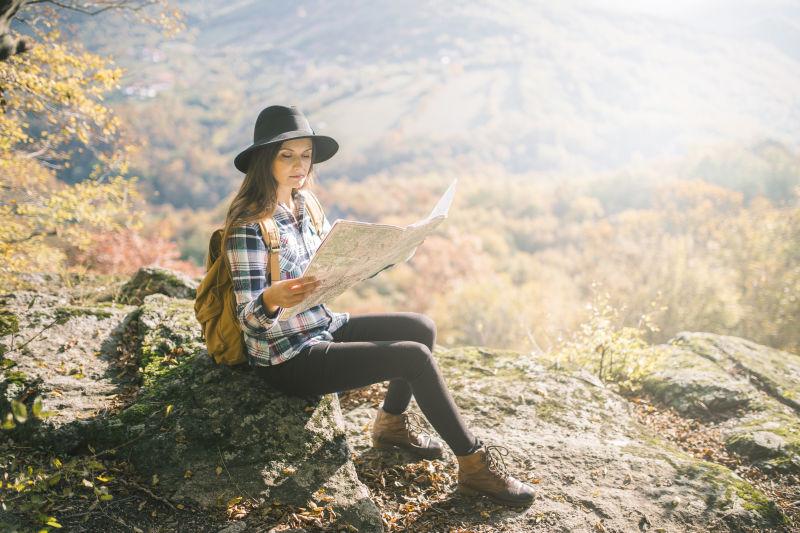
427,328
416,358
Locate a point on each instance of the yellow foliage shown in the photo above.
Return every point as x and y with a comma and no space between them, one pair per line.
52,97
60,87
605,347
39,215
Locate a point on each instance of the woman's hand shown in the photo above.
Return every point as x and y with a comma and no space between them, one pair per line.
289,292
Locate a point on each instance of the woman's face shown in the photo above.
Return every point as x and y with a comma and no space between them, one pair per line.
292,163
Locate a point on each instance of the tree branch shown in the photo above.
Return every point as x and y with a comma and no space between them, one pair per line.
31,236
9,44
122,4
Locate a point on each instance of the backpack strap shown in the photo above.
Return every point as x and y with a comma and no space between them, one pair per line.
271,236
214,248
314,209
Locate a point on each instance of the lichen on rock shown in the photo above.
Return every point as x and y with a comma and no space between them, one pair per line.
152,280
694,385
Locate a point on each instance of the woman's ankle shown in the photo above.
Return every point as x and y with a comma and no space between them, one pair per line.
475,447
392,411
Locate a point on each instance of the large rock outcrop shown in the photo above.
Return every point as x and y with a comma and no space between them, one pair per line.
749,389
156,280
596,467
207,433
137,378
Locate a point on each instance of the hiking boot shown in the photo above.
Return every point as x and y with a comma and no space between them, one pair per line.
484,472
390,430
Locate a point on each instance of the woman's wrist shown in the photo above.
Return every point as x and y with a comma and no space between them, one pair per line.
271,309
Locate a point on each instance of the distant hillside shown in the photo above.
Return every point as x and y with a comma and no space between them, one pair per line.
442,86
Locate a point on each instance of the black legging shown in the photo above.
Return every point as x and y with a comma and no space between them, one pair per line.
377,347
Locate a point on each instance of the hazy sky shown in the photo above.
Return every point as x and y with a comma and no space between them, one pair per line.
682,9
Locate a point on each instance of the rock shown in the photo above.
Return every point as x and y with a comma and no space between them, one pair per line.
205,433
757,445
152,280
236,527
211,433
695,386
69,357
40,279
775,371
582,449
694,371
769,436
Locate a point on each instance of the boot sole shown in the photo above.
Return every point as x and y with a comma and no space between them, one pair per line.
384,445
469,491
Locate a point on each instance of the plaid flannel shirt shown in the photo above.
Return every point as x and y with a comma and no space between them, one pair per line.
269,341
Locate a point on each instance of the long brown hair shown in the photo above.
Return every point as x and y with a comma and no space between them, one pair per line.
257,197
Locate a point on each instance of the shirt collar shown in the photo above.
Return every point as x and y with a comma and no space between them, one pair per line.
282,214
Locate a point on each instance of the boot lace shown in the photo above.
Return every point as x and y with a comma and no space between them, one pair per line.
494,457
414,421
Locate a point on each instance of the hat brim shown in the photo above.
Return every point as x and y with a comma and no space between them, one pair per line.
324,147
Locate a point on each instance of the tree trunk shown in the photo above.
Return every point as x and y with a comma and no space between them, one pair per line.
10,45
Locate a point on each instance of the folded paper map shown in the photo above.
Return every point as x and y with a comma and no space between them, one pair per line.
354,251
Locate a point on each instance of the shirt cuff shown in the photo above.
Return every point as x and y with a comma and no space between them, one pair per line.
272,316
256,320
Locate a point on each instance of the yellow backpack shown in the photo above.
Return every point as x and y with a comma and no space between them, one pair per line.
215,303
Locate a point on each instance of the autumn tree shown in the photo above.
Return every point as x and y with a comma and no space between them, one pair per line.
52,105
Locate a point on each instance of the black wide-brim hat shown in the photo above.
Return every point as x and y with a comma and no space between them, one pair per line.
278,123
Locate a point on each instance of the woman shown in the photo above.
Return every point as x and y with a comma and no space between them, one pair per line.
319,351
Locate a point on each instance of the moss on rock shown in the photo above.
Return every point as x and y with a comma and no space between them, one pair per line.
152,280
726,490
776,372
695,386
769,437
9,323
65,313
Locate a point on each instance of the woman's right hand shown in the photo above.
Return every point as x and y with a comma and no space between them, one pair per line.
289,292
